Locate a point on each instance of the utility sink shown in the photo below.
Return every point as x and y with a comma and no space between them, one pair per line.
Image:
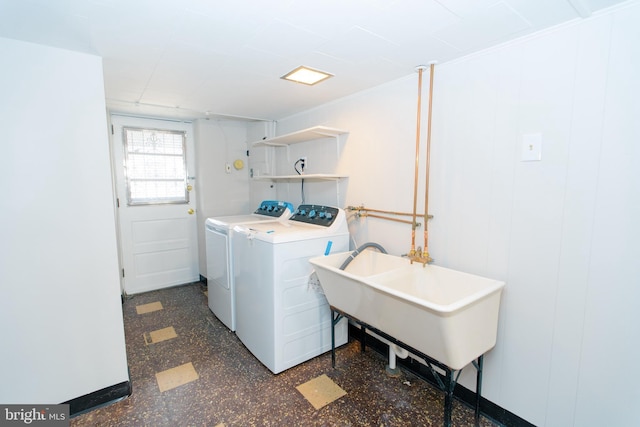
448,315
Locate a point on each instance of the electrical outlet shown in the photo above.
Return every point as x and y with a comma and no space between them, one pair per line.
305,162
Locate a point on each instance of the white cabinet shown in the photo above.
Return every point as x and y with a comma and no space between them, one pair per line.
315,135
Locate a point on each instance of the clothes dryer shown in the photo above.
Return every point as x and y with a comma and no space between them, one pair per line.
219,254
280,317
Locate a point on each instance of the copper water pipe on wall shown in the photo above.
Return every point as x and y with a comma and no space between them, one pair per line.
419,255
425,251
422,256
361,208
404,221
412,251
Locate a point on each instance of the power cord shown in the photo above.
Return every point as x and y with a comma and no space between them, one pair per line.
300,162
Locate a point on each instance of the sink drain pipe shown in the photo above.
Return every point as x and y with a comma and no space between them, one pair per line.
395,350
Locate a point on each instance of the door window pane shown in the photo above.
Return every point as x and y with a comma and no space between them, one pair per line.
155,166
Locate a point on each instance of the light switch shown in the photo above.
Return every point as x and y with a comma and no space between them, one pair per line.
531,147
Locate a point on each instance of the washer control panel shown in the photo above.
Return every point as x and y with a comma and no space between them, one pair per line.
274,208
315,214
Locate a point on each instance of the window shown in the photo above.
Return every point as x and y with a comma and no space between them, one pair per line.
155,166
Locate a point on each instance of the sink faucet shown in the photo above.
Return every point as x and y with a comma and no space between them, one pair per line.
418,255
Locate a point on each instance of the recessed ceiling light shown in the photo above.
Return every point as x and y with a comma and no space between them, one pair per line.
306,75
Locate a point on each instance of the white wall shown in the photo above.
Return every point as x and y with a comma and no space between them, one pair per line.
60,311
260,163
563,232
220,193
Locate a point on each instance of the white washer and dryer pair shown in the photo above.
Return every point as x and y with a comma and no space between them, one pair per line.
280,317
218,233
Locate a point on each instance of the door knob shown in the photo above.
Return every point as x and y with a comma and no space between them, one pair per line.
190,211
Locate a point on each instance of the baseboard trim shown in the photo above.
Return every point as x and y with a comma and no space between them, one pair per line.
97,399
487,408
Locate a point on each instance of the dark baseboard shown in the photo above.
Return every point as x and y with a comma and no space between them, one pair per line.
203,279
463,394
99,398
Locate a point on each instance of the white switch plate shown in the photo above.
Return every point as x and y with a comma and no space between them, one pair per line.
531,147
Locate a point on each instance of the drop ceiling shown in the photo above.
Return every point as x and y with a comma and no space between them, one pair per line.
211,58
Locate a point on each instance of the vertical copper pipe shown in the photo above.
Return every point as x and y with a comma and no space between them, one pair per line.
426,196
415,183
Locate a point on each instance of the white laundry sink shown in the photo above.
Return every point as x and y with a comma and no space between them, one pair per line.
446,314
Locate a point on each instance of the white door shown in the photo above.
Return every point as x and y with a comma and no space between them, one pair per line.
153,161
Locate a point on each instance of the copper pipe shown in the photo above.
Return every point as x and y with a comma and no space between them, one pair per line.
404,221
415,183
426,195
362,208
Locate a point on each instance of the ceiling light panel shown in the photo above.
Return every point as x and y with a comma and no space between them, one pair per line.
306,75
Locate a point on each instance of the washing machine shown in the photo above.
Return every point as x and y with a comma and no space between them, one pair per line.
281,317
219,254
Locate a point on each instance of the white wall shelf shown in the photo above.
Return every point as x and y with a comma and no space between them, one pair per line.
313,176
304,135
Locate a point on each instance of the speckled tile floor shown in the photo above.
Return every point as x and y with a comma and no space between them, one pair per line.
231,388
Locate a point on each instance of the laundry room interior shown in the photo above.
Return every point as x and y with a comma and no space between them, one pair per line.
509,165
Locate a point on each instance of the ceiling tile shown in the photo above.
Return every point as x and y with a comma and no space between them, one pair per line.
417,20
595,5
542,13
331,18
129,75
356,45
464,8
283,39
215,33
479,29
422,51
248,60
228,56
47,24
131,33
